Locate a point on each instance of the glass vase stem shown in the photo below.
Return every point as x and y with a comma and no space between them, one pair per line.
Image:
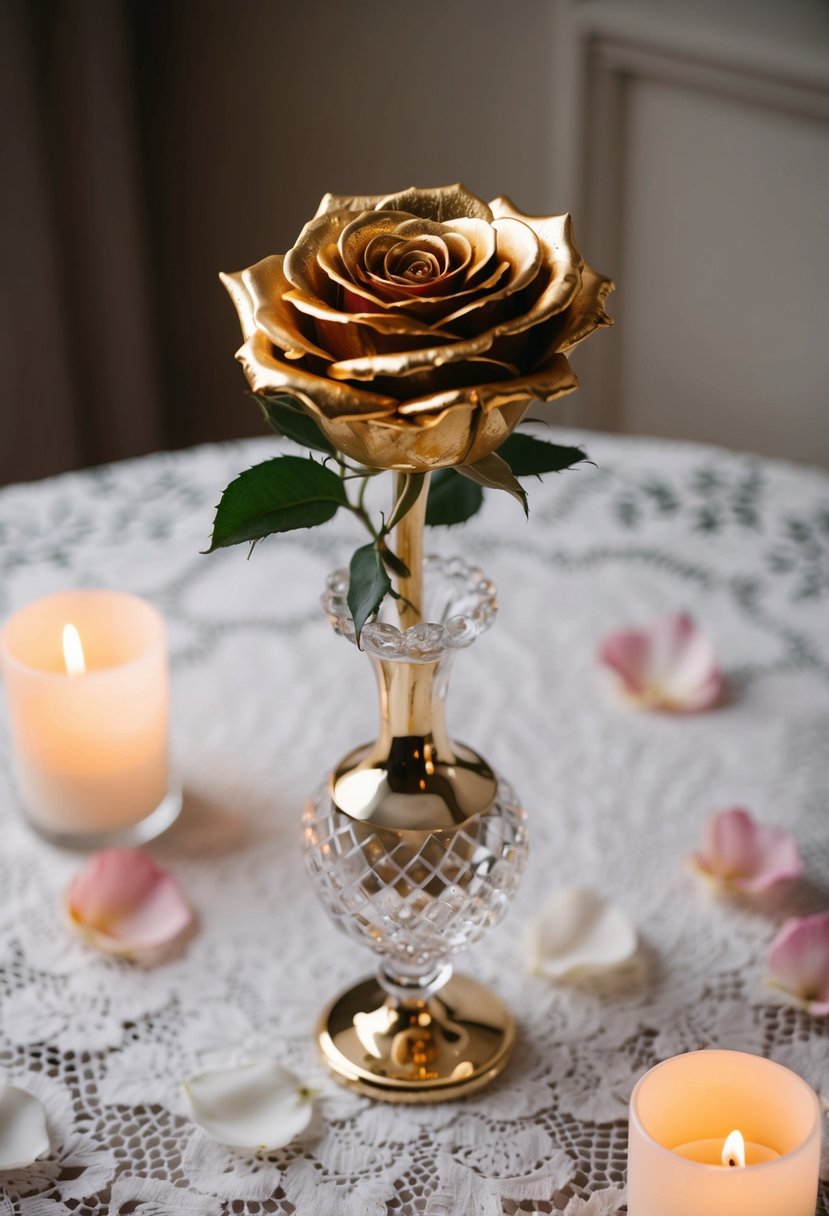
408,545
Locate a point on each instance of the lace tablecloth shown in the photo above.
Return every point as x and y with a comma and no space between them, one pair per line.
265,698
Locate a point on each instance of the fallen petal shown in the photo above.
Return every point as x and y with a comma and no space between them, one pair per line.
743,855
669,666
799,962
123,903
577,930
23,1133
258,1105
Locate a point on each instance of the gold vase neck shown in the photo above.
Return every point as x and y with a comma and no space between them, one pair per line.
414,778
413,703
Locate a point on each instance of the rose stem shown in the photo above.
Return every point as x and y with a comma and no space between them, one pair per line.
408,545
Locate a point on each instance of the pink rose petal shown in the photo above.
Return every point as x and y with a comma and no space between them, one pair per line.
799,961
123,903
745,855
670,665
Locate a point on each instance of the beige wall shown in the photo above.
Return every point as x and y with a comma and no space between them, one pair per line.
699,163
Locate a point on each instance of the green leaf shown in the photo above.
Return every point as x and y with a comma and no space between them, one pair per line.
368,585
288,418
412,487
527,456
452,499
495,474
276,496
392,562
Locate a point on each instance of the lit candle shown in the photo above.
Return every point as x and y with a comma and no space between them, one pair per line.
735,1152
87,690
723,1133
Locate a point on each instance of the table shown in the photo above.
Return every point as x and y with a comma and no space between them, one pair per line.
265,699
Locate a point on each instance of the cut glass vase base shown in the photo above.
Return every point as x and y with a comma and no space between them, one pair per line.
432,1050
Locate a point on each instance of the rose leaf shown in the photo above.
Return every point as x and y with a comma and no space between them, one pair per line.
368,585
392,562
452,499
276,496
528,457
412,486
288,418
495,474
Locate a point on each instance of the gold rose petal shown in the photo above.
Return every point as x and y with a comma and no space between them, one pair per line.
523,248
375,305
301,267
439,203
239,294
424,307
266,286
433,248
565,261
348,202
389,230
323,397
460,434
376,250
554,379
454,252
313,292
585,314
314,253
362,229
431,310
480,236
451,376
398,443
391,322
329,260
406,363
554,231
477,234
559,291
519,246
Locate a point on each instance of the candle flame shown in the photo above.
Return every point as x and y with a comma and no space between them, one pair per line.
73,655
734,1150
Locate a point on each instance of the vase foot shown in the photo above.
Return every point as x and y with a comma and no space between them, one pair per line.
433,1050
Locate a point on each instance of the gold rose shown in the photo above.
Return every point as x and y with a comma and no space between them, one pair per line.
406,332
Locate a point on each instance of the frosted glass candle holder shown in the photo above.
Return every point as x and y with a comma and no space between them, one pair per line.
91,746
692,1103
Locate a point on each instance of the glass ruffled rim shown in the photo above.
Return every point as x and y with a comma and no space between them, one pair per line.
429,640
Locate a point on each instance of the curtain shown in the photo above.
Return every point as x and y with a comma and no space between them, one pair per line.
80,362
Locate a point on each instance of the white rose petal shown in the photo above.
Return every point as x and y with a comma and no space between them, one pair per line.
257,1105
577,930
23,1134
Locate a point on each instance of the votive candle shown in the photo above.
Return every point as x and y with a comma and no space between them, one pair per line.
687,1106
90,730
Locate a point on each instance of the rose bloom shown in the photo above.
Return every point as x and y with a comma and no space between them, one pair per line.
416,328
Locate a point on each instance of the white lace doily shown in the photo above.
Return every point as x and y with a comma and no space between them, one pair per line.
266,699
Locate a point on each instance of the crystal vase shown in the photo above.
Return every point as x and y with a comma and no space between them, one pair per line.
415,848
